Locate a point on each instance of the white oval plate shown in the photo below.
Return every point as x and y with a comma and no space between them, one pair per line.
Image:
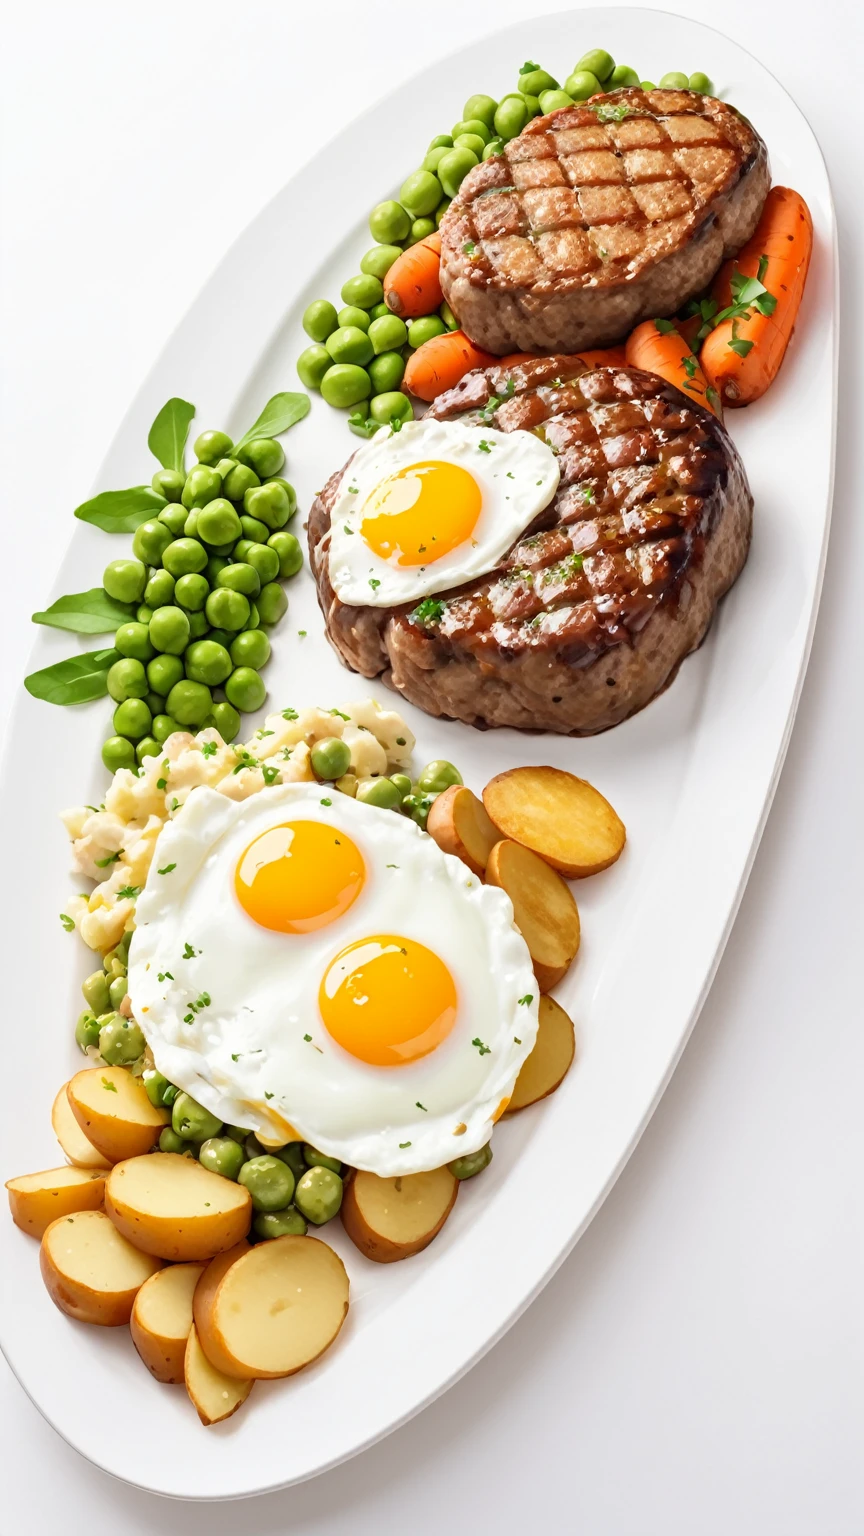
692,776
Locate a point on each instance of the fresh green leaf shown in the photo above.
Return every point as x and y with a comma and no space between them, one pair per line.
87,613
363,426
167,437
121,511
665,327
430,611
67,922
74,680
280,413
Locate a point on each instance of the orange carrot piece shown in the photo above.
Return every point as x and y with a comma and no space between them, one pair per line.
658,347
689,329
442,362
742,355
600,357
412,286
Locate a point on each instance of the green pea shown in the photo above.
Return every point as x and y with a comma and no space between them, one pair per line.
418,806
218,524
127,680
318,1195
622,78
289,552
471,1164
132,640
455,167
448,317
349,345
480,109
159,589
535,81
364,291
237,1133
254,618
319,319
292,1154
315,1159
207,662
351,315
163,726
402,783
510,118
701,83
432,160
120,1041
226,609
287,488
390,407
381,792
420,230
198,626
532,104
555,101
438,776
211,446
253,1146
240,480
118,987
132,719
346,384
174,517
95,991
673,80
87,1030
582,84
125,580
191,592
269,1181
148,747
245,689
185,556
221,1155
420,194
598,62
192,1121
441,140
262,559
190,527
475,126
648,85
330,758
240,577
169,1141
264,454
154,1087
389,222
253,528
312,364
117,753
155,703
203,484
287,1223
149,540
190,703
250,649
445,204
143,613
226,720
378,261
424,328
169,629
387,370
169,483
121,948
271,504
470,141
494,147
163,672
378,312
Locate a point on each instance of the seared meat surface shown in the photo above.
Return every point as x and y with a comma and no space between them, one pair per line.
600,216
590,613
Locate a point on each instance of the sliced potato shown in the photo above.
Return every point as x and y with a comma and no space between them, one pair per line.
37,1199
459,824
215,1396
551,1058
390,1219
161,1320
169,1205
543,906
90,1270
114,1112
72,1140
564,819
202,1301
275,1308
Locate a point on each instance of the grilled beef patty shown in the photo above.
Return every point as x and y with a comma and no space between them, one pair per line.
600,216
590,613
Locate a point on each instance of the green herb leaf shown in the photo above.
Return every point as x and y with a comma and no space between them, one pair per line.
528,998
167,436
110,858
485,1050
86,613
111,1087
74,680
167,869
609,112
362,426
430,611
67,922
665,327
280,413
121,511
128,892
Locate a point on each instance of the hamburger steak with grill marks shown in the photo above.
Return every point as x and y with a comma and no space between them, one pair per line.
590,613
598,217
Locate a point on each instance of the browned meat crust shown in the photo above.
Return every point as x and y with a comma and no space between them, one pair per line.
591,612
591,221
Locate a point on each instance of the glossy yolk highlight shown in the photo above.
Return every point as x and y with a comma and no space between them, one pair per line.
298,877
388,1000
421,513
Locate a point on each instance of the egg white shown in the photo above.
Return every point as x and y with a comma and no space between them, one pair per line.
249,1040
517,475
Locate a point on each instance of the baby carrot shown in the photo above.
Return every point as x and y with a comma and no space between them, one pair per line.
658,347
412,286
442,362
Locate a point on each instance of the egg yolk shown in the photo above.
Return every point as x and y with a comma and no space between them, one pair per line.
388,1000
299,876
421,513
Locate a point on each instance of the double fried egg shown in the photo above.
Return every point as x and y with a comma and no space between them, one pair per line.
318,969
431,506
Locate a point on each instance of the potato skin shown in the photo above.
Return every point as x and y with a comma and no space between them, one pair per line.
112,1135
191,1239
197,1370
33,1210
375,1246
73,1143
163,1355
202,1306
107,1309
521,801
548,902
551,1059
443,825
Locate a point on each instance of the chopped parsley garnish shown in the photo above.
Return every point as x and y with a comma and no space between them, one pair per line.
165,976
706,309
609,111
737,343
392,866
109,1086
587,493
236,1057
528,998
489,408
67,922
267,1095
483,446
352,490
167,870
339,714
400,741
326,802
688,363
110,858
403,1144
430,611
418,1105
208,748
290,714
374,583
712,396
307,1037
161,783
469,248
259,735
188,952
302,634
128,892
516,1040
509,388
665,327
529,68
485,1050
270,773
175,804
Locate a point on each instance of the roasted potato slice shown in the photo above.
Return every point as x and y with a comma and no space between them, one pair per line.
215,1396
543,906
90,1270
73,1142
161,1320
37,1199
459,824
564,819
550,1060
114,1112
171,1206
390,1219
274,1309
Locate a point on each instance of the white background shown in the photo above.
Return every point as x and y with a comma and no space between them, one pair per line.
696,1365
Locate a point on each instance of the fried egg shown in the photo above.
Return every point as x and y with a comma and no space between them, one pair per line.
429,507
317,969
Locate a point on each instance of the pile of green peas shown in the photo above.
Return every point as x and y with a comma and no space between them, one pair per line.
206,576
118,1040
595,72
330,761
